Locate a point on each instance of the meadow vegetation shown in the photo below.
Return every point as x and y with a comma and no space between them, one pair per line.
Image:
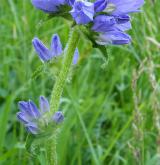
111,103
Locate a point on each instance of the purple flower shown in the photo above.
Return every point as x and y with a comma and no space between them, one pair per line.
111,29
56,46
100,5
104,23
119,7
113,37
44,105
58,117
48,6
32,117
82,12
46,54
43,52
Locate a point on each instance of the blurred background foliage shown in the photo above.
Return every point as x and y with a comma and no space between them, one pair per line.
111,102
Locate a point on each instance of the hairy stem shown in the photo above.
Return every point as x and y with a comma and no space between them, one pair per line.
58,87
60,82
51,151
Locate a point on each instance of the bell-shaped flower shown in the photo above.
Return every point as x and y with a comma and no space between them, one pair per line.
58,117
56,46
104,23
82,12
46,54
113,37
43,52
111,29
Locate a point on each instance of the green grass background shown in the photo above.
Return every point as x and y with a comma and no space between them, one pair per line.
97,100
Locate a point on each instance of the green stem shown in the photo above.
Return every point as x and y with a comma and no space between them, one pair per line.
68,58
58,87
51,151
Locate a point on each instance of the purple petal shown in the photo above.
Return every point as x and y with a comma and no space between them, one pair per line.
125,6
44,104
24,108
56,46
32,128
122,18
113,37
48,6
23,105
70,2
124,27
76,56
103,23
82,12
42,51
58,117
34,110
100,5
22,117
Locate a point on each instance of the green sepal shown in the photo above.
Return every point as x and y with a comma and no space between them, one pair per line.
52,66
29,142
90,36
63,11
36,144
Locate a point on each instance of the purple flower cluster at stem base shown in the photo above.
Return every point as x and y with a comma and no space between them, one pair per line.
32,117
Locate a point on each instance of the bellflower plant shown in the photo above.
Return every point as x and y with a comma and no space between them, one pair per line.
103,22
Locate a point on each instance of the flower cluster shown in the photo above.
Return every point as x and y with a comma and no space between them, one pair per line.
34,119
55,50
108,20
